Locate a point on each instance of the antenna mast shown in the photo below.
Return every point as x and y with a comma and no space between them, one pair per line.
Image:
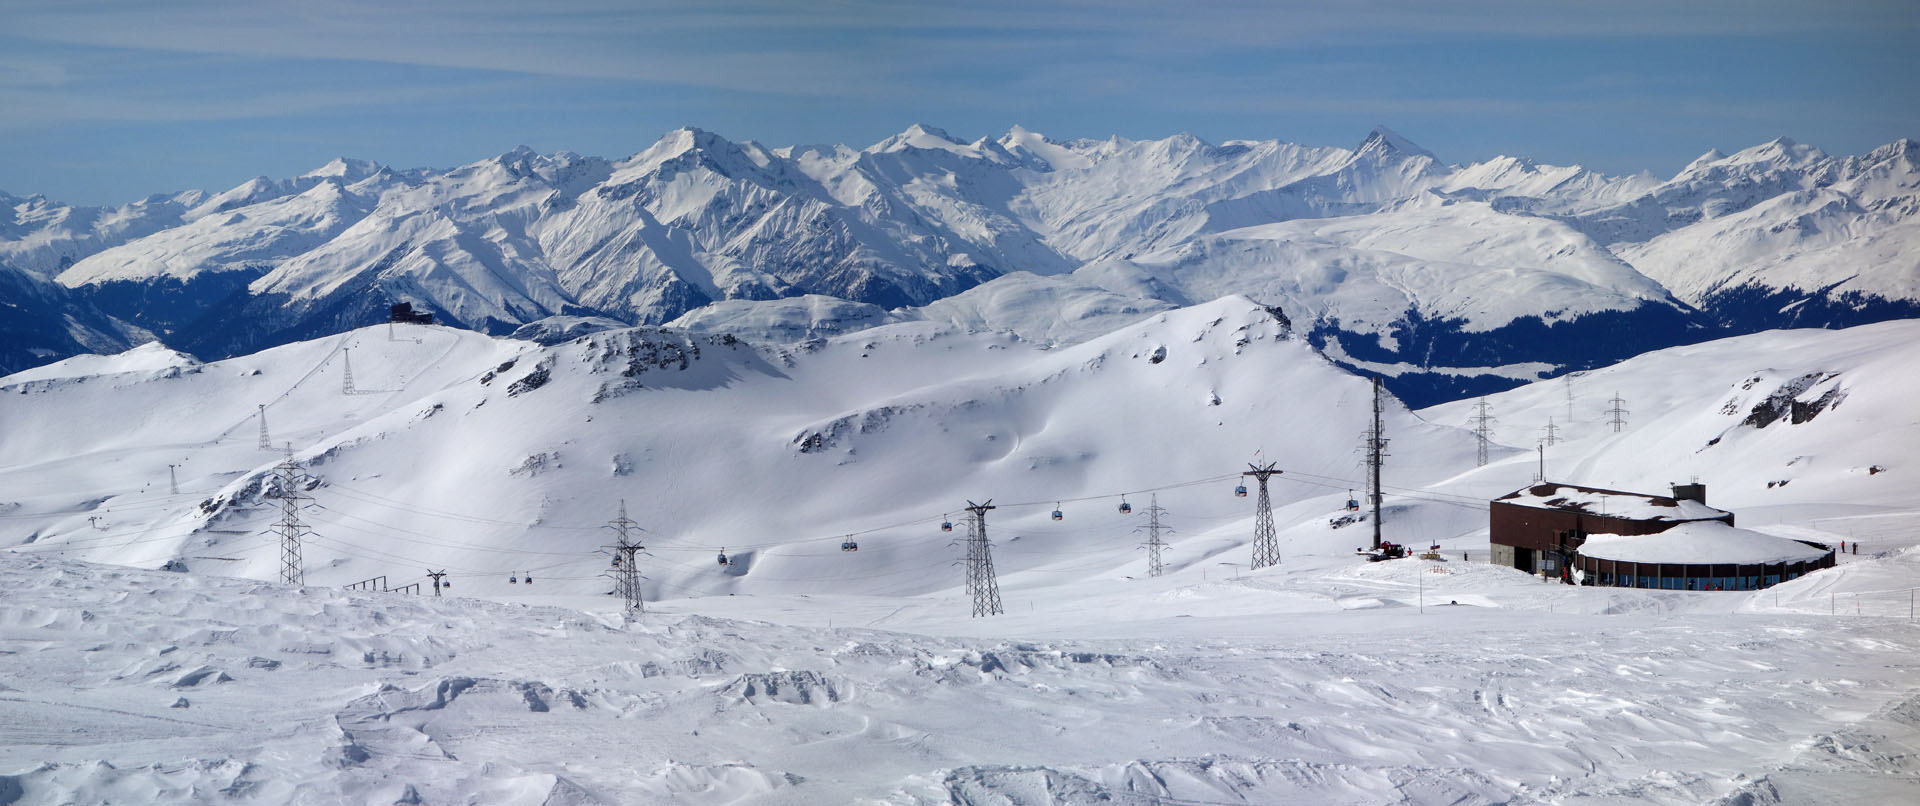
1376,450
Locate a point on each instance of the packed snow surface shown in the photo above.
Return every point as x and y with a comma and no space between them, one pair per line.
1701,542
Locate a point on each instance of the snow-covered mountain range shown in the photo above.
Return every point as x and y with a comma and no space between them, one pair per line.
1447,279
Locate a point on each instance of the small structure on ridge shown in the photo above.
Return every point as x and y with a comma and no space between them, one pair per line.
403,313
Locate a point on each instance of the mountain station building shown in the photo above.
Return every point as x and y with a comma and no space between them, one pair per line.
1593,536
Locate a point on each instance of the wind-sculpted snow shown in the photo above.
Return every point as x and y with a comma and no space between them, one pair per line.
169,688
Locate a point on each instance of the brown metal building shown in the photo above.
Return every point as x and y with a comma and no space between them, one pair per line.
1538,528
1547,528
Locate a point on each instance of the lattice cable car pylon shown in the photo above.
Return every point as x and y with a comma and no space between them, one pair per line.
980,578
1266,543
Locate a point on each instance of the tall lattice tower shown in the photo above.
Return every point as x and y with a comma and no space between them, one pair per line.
980,578
346,379
1266,544
1553,433
626,566
290,482
1482,422
266,444
1154,528
1618,413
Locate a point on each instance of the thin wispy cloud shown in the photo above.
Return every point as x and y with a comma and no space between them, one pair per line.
606,76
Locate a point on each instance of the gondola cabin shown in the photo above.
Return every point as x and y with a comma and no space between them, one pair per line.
723,556
1126,508
946,526
849,545
1057,514
1240,491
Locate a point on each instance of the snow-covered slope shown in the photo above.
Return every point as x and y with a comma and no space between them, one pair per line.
801,673
723,444
1770,419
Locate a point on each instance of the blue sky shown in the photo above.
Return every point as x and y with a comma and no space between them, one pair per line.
105,102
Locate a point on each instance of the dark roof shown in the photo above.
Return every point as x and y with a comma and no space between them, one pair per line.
1611,503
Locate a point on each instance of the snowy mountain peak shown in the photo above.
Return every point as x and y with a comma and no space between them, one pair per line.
685,139
1713,155
1780,151
1383,140
346,170
922,136
1904,149
1033,150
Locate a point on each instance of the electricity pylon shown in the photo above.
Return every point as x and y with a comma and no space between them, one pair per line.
437,576
173,478
346,380
1483,427
291,481
1619,413
265,443
1154,528
980,578
1266,545
1553,432
627,574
